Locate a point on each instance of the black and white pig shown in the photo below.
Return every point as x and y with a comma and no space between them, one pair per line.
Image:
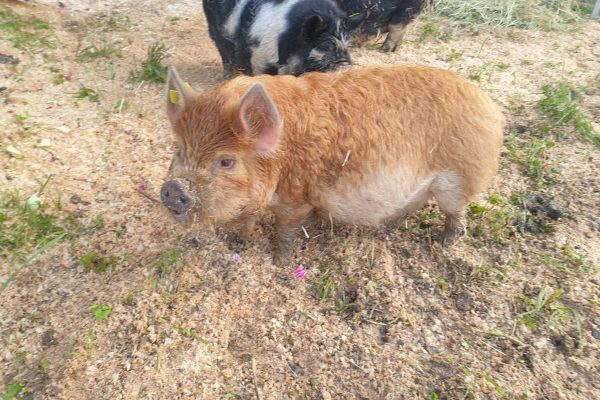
280,36
380,16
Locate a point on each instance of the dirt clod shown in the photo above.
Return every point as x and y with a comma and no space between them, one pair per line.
464,301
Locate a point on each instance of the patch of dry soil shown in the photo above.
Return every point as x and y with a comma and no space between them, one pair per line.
406,318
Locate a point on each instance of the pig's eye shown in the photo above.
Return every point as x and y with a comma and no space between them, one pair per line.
227,163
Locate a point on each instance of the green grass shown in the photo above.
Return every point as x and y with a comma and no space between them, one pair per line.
23,32
12,391
454,55
324,285
546,311
111,23
431,30
531,154
101,312
567,260
547,15
560,105
189,333
93,52
166,262
152,68
87,93
493,221
26,223
97,263
29,227
345,305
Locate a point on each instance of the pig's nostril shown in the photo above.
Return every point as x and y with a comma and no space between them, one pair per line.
173,196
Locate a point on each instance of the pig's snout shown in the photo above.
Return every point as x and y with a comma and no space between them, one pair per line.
175,197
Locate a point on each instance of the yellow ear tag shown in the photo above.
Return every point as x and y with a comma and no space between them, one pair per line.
174,97
187,85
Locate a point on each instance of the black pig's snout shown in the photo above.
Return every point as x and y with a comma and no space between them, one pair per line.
174,196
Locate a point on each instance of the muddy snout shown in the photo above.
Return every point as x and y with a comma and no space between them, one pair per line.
175,196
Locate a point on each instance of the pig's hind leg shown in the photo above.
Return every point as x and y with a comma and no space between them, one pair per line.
452,200
395,34
398,23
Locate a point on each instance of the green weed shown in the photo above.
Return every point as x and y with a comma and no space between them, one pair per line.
345,305
43,365
101,312
560,105
26,224
441,283
24,32
12,391
499,389
121,105
59,79
544,310
187,332
23,126
324,285
431,30
97,263
89,345
111,23
166,262
454,55
493,221
93,52
532,155
152,68
427,218
567,261
87,93
538,15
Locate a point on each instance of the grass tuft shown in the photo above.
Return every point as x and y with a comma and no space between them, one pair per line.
152,68
26,223
12,391
88,93
492,221
532,156
546,15
324,286
93,52
97,263
24,32
101,312
561,106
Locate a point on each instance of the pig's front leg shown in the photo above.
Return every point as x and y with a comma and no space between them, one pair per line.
289,217
248,225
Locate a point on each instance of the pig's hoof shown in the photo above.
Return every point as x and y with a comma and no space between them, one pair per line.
451,235
387,48
235,241
281,258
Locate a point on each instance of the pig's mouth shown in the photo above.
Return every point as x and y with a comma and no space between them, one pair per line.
180,216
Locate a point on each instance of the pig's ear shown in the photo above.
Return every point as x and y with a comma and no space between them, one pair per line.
260,119
178,94
352,22
313,27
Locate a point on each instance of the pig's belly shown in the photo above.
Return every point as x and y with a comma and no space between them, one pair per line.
385,196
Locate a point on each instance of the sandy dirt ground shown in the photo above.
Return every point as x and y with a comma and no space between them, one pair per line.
382,313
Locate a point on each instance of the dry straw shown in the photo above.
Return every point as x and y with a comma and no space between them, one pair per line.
546,15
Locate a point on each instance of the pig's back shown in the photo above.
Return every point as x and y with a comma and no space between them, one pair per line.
368,144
